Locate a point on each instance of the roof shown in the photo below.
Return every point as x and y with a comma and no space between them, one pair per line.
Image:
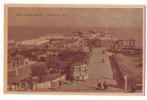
112,39
78,64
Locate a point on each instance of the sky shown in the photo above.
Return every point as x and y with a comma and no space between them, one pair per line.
75,17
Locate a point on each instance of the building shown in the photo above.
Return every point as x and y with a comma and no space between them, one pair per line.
40,55
126,43
17,61
126,47
78,71
53,53
108,43
11,44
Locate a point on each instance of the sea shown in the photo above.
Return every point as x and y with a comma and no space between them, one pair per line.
22,33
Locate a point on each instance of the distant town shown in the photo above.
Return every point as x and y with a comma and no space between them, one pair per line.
75,62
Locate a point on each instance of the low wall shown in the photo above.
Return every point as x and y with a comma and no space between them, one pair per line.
125,81
43,85
48,84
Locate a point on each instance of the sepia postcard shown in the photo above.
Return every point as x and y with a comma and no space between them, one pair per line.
74,49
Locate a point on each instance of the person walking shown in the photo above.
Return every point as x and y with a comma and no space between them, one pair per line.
105,85
132,87
60,84
99,84
71,80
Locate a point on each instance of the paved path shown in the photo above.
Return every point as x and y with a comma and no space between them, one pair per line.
97,70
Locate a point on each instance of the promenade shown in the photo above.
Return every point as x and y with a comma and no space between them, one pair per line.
97,70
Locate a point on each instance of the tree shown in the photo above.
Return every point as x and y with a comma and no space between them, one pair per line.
55,64
65,56
73,56
39,71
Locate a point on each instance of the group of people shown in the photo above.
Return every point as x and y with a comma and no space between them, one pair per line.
58,84
102,86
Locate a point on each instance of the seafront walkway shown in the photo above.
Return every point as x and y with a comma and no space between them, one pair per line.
97,70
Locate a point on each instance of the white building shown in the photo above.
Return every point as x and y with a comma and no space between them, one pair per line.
79,71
